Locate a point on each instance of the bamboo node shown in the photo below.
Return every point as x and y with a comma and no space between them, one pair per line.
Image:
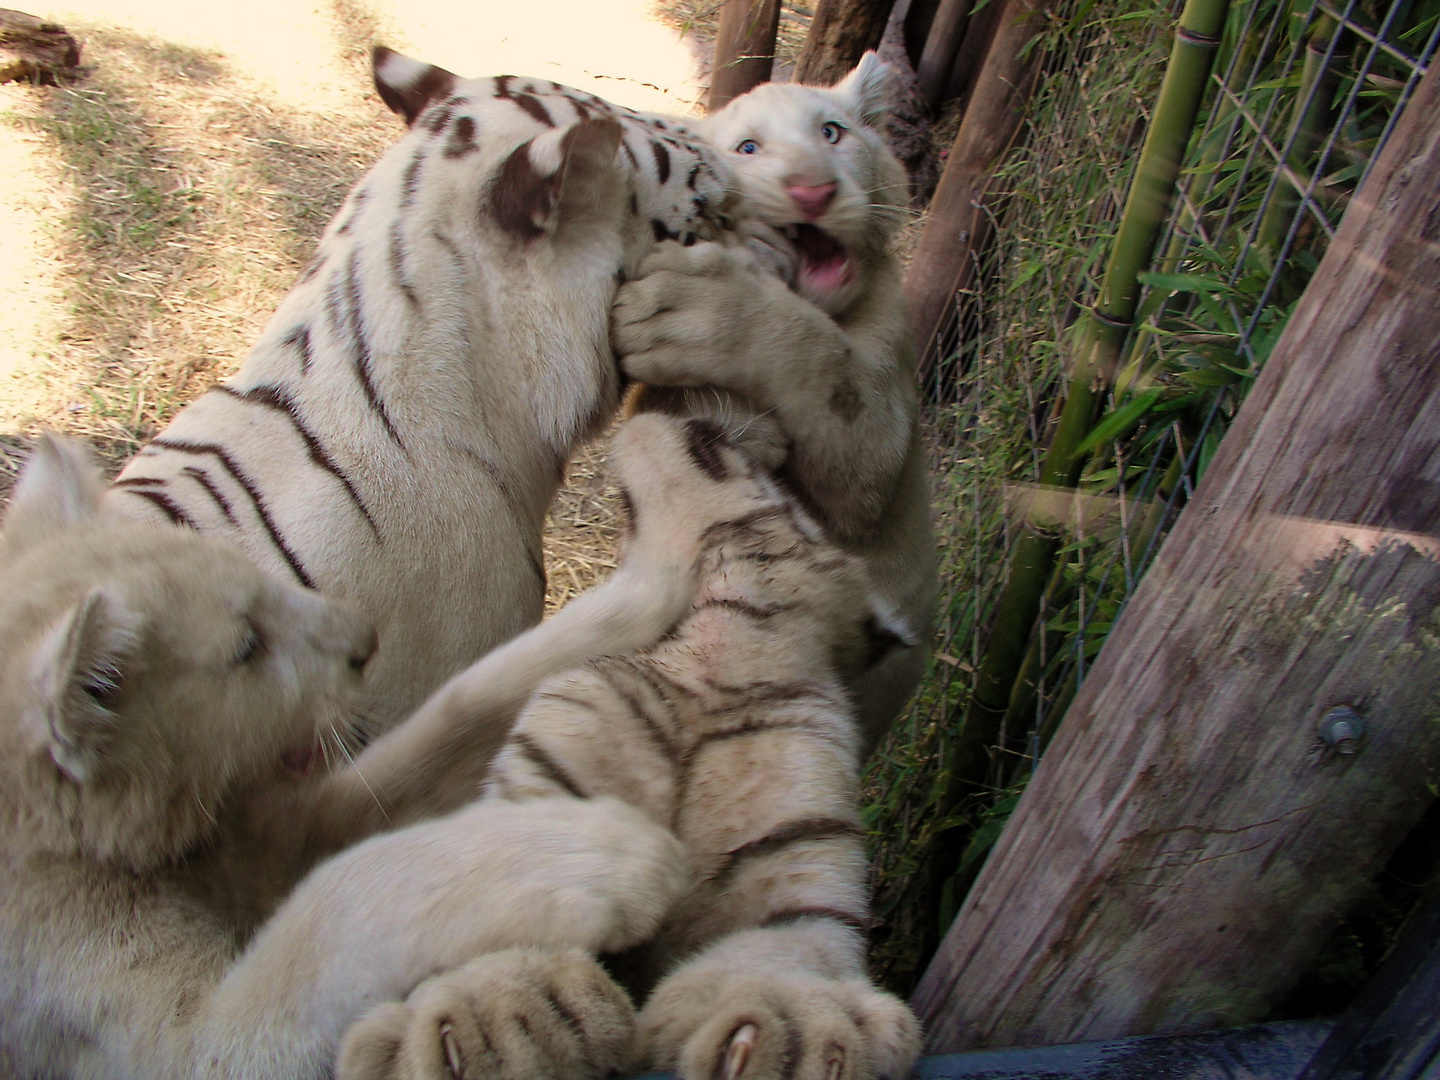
1194,37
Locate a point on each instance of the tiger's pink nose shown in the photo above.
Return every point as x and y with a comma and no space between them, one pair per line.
812,201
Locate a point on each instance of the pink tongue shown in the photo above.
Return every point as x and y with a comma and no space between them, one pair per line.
824,264
300,761
826,276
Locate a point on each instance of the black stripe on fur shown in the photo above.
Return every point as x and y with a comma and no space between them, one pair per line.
167,505
201,477
277,400
794,832
547,766
248,486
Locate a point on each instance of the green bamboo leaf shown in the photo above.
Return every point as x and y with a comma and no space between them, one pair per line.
1207,451
1175,404
1210,376
1186,283
1119,422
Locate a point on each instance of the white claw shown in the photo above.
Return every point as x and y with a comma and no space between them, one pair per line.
452,1052
737,1054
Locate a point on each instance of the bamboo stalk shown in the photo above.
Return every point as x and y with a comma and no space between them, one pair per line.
1318,79
1098,341
744,49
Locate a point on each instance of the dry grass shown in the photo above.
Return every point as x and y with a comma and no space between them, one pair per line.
583,528
183,203
698,19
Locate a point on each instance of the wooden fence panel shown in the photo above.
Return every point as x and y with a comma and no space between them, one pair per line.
1189,840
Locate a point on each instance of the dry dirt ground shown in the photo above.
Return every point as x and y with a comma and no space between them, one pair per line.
153,213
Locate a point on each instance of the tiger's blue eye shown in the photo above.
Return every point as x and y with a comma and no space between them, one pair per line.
749,146
831,132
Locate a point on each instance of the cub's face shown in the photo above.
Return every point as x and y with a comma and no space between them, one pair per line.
147,675
813,167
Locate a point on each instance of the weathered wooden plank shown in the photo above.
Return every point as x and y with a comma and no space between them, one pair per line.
959,229
1188,841
744,49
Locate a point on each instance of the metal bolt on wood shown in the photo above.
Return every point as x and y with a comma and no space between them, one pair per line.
1342,728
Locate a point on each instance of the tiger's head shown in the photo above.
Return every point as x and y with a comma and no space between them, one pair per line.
493,236
551,153
149,676
815,169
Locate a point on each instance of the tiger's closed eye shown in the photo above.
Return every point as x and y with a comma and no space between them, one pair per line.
252,644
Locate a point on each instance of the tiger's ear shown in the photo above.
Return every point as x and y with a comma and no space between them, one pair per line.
76,674
59,489
887,631
407,86
866,90
563,176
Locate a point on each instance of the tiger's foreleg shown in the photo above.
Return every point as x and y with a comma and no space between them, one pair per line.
787,1001
436,760
367,933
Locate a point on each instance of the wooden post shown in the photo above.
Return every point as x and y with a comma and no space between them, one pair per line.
840,33
959,229
1190,839
937,62
974,47
744,49
918,18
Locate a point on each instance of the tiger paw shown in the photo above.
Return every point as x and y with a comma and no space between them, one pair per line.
759,1026
521,1014
689,319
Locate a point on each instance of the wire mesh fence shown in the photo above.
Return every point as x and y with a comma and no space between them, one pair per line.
1302,96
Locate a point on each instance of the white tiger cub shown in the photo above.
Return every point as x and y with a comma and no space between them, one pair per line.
830,356
160,699
397,433
735,731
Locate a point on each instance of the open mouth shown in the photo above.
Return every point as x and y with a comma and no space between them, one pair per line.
824,263
300,761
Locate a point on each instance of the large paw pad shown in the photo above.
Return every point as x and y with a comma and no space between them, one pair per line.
522,1014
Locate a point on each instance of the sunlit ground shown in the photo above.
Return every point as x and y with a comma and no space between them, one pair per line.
300,64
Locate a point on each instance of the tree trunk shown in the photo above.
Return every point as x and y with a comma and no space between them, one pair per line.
33,50
1190,838
974,47
959,229
942,45
841,32
918,18
744,49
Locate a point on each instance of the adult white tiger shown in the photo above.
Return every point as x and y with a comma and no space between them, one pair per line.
397,433
828,354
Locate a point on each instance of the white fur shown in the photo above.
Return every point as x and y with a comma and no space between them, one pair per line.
488,351
138,871
837,371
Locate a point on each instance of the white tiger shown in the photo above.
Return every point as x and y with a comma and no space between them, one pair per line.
734,730
398,431
159,698
830,356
